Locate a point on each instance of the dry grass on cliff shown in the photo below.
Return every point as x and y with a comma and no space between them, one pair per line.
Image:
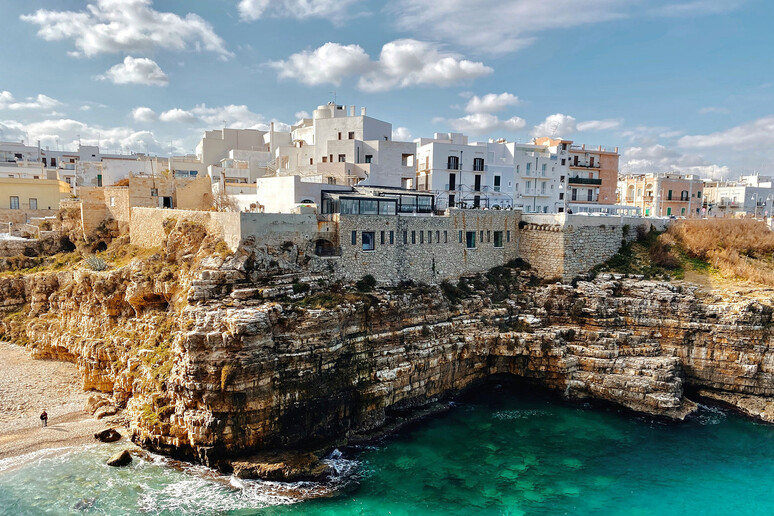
736,249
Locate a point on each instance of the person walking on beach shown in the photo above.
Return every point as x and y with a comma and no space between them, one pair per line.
43,418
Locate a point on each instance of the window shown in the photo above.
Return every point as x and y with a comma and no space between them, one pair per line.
698,194
339,136
445,237
476,201
330,158
508,236
684,195
478,164
460,237
589,194
451,201
682,211
496,183
349,206
561,196
154,192
563,161
437,237
561,179
368,241
325,159
429,237
405,237
669,211
369,207
498,238
381,240
421,237
112,201
392,237
33,204
369,158
351,135
342,158
481,239
470,239
99,179
542,187
517,169
574,194
311,161
543,170
669,195
488,236
354,238
453,163
413,237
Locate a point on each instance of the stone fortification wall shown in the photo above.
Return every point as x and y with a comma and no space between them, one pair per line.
275,229
564,246
424,248
146,228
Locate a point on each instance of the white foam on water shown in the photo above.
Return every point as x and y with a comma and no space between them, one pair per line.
709,415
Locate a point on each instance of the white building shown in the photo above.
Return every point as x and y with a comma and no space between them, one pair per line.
751,195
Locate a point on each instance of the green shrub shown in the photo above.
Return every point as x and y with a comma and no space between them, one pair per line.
96,263
366,283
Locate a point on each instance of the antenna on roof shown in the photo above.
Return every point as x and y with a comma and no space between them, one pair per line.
334,96
554,127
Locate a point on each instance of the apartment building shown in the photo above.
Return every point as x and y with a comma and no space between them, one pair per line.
663,195
749,195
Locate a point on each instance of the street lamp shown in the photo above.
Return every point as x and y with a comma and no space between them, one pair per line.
755,205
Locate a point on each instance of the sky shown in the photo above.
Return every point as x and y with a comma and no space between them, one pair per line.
682,85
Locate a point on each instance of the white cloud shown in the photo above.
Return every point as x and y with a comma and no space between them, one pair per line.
485,123
41,102
557,125
752,135
178,115
113,26
599,125
334,10
401,63
300,115
696,8
329,63
713,109
140,70
238,117
491,103
659,158
401,134
144,114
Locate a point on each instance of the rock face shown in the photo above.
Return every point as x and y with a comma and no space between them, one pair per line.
218,357
109,435
120,459
287,467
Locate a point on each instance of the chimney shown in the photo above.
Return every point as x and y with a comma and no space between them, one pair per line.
363,111
616,150
352,110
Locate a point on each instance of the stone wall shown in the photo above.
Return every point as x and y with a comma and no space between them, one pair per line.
146,228
564,246
427,249
22,216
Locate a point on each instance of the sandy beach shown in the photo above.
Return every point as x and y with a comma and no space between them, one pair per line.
29,386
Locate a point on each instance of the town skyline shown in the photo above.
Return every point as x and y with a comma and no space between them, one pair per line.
152,76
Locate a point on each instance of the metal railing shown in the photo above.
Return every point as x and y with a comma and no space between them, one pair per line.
584,181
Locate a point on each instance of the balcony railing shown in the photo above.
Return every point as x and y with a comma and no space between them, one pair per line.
584,181
584,165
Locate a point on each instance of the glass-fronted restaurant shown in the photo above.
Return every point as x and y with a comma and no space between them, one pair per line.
377,201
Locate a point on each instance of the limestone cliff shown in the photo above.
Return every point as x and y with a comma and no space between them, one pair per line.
217,354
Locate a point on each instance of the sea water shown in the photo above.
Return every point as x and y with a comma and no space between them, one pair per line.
502,450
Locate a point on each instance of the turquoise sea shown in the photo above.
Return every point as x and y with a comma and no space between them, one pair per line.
500,450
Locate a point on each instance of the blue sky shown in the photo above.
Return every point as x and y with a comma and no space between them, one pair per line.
683,85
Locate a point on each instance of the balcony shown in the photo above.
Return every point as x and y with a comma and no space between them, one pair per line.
584,181
584,165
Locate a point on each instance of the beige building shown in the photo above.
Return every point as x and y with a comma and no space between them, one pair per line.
22,198
662,195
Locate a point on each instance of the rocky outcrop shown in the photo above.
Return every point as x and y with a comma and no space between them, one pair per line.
120,459
216,357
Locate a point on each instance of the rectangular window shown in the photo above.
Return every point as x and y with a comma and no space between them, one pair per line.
453,163
488,236
429,237
112,201
421,237
405,237
33,204
154,192
311,161
392,237
508,236
669,211
682,211
563,162
14,202
543,170
698,194
669,195
369,207
478,164
481,238
574,194
351,135
589,194
496,183
325,159
445,237
369,158
437,237
498,238
561,196
529,168
342,158
382,238
470,239
349,206
339,136
460,237
99,179
368,241
413,237
354,238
